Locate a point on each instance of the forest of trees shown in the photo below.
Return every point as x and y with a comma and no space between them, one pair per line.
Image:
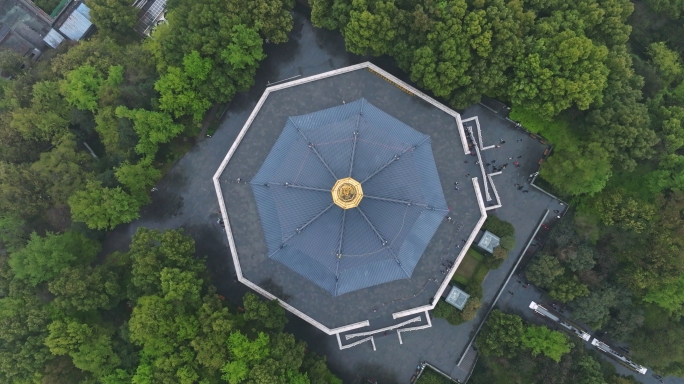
69,314
603,81
513,352
148,315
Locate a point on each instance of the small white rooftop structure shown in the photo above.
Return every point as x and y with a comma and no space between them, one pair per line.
53,38
488,242
457,298
77,24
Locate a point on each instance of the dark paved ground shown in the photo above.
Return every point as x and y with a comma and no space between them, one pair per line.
186,199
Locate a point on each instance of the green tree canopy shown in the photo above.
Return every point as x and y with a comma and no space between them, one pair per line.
581,258
11,63
81,88
90,346
507,243
12,231
622,123
22,191
137,178
268,314
614,208
582,170
115,18
559,69
568,289
594,309
669,296
151,251
671,8
544,270
85,288
103,208
501,335
23,329
498,227
265,359
153,128
47,115
44,257
540,339
667,62
180,88
62,169
371,27
224,33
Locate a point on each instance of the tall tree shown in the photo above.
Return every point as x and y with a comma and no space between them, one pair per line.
621,123
671,8
153,128
22,192
269,315
371,27
568,289
578,171
594,309
496,30
151,251
48,115
81,87
23,329
667,62
103,208
62,169
180,88
137,178
208,27
614,208
90,346
501,335
558,69
85,288
113,18
540,339
544,270
44,257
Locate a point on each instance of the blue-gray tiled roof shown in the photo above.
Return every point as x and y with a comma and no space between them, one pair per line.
379,241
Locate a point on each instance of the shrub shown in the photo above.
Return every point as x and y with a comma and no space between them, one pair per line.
474,288
500,253
498,227
448,312
470,310
507,243
493,263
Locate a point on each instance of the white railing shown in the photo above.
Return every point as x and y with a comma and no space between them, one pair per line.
354,344
496,194
428,325
479,161
479,132
390,328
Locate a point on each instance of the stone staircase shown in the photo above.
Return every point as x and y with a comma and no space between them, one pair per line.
462,370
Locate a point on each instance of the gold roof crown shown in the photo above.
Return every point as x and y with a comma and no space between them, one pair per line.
347,193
